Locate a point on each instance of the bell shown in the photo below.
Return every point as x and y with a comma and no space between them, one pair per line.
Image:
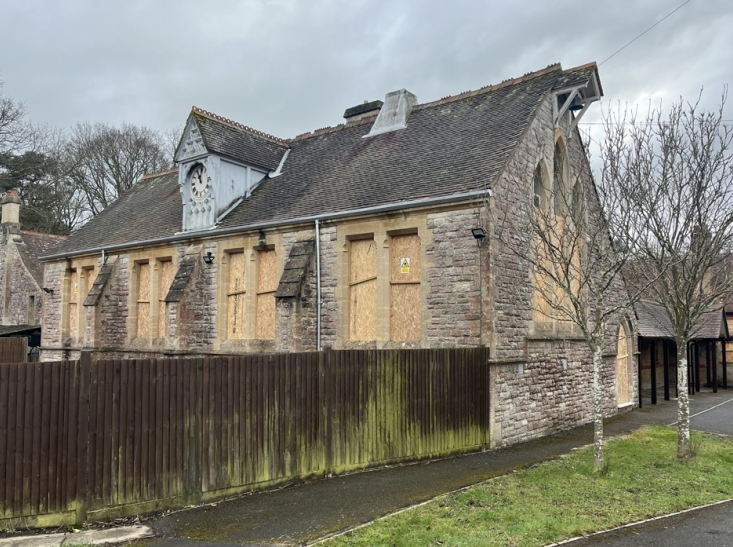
577,104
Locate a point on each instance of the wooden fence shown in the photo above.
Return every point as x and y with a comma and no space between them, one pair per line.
14,350
120,437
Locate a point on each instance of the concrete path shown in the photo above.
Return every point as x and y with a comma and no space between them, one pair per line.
306,512
89,537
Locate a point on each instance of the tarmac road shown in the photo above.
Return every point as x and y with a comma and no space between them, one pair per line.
708,527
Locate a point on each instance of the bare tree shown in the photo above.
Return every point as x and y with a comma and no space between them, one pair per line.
576,254
104,161
14,131
673,174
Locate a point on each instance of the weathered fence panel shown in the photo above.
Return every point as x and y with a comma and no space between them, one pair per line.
89,436
13,350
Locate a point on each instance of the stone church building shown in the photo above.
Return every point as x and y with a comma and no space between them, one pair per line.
378,233
21,273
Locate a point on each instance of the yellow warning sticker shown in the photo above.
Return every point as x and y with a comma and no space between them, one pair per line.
404,265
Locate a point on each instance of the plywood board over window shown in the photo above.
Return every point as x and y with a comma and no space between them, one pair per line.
363,290
74,304
166,278
405,300
143,300
235,297
267,281
622,367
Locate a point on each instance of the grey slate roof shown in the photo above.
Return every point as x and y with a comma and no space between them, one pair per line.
100,282
34,245
653,321
238,141
295,269
711,325
7,330
451,146
180,281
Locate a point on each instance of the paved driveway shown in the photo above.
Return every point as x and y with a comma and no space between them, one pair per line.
714,417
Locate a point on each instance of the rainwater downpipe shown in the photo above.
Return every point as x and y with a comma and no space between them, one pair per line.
318,285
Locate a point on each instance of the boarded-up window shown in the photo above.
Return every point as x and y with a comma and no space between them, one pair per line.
235,297
90,275
266,286
363,290
622,367
405,322
143,300
166,275
74,304
558,180
31,309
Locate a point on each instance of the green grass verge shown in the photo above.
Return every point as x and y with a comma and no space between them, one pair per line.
564,498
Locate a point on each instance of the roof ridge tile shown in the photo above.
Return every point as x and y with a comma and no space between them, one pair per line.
159,173
237,125
492,87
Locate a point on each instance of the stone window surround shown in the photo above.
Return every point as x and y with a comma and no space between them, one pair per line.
381,230
153,257
81,266
249,245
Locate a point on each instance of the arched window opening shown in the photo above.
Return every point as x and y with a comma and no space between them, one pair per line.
538,187
623,366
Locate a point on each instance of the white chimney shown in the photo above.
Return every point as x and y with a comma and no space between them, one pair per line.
394,113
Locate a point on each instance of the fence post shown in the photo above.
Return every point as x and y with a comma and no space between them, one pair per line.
82,490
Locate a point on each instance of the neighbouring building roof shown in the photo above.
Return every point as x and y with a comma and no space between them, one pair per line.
34,245
711,325
8,330
451,146
653,322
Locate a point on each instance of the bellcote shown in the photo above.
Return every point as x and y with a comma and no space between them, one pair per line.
220,163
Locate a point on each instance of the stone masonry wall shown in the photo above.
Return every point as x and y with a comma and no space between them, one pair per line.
197,311
329,310
548,392
296,317
453,291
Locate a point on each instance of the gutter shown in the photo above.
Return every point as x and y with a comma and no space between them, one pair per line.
277,223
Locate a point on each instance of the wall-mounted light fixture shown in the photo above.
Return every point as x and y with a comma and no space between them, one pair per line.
47,290
209,258
479,234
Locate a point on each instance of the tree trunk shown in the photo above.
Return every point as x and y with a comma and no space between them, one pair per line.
683,403
597,408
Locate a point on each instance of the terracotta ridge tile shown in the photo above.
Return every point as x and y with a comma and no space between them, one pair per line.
159,173
332,129
34,233
237,125
492,87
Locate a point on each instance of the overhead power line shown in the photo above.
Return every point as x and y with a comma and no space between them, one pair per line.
647,30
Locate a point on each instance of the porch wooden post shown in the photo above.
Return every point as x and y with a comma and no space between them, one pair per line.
715,367
653,362
665,351
696,354
638,374
725,365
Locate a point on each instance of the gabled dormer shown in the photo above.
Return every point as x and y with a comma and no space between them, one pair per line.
220,163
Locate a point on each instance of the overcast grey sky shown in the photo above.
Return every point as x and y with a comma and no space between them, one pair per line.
290,66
